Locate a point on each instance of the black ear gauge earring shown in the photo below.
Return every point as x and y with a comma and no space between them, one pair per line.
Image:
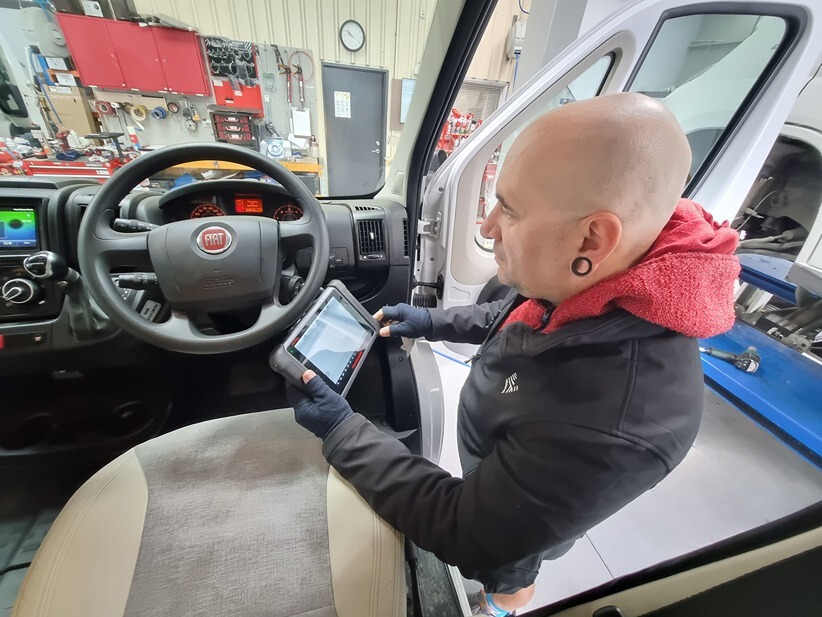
582,266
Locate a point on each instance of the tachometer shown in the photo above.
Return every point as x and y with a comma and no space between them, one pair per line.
205,210
288,212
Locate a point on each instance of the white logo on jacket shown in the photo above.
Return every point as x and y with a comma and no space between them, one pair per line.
510,384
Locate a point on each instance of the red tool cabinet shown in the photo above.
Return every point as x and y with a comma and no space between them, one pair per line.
125,55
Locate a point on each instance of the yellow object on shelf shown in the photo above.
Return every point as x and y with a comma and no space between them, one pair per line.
295,166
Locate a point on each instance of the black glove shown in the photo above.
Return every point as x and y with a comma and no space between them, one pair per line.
412,322
318,408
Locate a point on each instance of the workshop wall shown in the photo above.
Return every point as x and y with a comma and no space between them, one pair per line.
395,34
491,60
158,132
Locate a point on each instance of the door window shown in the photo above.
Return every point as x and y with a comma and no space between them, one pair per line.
703,67
585,86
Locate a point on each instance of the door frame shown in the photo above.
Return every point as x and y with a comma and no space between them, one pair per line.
783,529
383,126
630,36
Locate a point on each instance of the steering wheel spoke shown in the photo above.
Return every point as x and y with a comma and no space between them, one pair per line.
296,235
118,249
178,325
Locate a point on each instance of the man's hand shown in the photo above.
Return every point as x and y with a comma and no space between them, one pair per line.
318,408
405,320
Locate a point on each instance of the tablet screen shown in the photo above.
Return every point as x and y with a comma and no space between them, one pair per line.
334,342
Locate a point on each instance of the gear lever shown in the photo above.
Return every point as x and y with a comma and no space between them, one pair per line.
85,318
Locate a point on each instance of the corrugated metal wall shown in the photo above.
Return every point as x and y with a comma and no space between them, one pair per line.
491,60
395,31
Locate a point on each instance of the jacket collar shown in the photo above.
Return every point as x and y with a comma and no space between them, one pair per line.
616,326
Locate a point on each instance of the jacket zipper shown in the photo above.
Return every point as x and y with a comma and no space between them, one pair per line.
549,310
488,336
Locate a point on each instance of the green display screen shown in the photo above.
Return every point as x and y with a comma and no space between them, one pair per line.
18,228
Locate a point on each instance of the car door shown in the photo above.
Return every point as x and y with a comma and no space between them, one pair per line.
729,71
770,570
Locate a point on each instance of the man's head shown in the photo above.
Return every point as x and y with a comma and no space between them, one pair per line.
596,179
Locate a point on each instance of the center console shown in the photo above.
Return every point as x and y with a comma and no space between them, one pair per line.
22,233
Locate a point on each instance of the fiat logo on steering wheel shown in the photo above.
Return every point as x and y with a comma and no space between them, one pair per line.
214,240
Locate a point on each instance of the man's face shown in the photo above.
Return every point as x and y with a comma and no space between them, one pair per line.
534,243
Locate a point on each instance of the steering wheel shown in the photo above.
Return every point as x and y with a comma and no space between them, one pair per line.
213,264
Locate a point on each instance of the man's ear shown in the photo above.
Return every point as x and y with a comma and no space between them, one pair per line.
602,232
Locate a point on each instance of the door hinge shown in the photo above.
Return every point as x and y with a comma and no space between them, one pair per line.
438,286
430,227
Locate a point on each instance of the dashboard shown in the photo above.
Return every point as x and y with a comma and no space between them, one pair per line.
197,201
369,247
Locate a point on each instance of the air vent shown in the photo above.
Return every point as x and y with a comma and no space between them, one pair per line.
366,209
405,237
371,237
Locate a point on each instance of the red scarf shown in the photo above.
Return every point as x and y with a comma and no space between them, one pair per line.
684,283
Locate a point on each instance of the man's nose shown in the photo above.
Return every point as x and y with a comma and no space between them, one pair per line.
488,229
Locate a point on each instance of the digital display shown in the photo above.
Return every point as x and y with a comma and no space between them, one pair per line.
333,343
248,205
18,228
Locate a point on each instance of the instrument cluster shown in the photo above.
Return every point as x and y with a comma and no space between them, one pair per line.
224,203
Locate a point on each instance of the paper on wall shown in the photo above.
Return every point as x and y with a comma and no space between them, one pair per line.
342,104
298,142
301,121
57,64
65,79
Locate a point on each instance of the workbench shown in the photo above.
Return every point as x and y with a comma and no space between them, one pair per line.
785,394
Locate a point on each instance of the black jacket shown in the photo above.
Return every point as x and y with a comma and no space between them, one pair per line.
556,433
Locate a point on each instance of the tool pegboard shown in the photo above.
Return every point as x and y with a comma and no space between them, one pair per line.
159,121
231,59
274,79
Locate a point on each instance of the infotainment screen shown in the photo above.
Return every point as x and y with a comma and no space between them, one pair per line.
18,228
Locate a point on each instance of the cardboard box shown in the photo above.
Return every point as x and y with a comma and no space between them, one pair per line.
72,105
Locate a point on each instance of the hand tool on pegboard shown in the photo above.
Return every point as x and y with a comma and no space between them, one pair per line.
301,64
285,70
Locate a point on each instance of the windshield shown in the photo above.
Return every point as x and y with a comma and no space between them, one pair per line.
325,94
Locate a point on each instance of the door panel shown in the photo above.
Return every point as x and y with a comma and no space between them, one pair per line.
137,55
182,60
735,154
355,101
668,591
92,51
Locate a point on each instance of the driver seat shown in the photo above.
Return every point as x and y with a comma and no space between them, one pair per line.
234,516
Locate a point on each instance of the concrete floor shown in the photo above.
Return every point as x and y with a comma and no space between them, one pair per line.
736,477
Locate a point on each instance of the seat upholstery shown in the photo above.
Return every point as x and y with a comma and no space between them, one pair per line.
235,516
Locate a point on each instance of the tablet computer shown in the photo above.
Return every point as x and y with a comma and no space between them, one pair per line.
332,339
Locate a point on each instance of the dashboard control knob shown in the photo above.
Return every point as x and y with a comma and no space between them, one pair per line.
20,291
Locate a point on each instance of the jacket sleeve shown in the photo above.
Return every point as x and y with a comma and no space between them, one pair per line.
466,324
544,484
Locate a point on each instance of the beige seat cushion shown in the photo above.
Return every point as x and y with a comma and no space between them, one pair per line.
87,562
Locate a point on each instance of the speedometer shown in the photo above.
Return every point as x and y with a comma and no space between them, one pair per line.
201,211
288,212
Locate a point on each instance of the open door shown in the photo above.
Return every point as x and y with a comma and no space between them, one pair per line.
729,71
770,570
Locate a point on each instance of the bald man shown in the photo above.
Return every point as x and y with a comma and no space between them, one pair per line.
587,387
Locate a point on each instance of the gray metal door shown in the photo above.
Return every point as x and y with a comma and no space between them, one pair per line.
355,101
